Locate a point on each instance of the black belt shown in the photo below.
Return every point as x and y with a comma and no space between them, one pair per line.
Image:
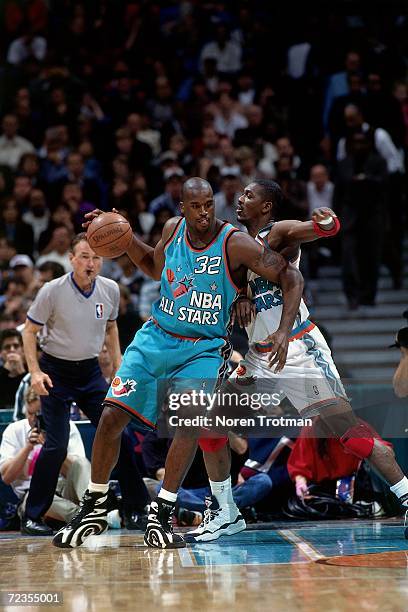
71,363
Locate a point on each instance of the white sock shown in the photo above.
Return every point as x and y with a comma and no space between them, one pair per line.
400,489
94,487
167,495
222,491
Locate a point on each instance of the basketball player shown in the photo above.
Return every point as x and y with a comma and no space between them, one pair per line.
309,378
202,262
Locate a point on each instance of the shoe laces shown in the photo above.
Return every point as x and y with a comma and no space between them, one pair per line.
86,505
210,514
164,515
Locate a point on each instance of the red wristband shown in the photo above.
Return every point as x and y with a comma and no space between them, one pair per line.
319,231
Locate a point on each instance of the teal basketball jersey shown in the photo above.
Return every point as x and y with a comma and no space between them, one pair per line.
197,291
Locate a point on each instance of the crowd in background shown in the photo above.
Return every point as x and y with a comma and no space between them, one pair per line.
113,103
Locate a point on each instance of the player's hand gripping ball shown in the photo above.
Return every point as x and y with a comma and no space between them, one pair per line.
109,235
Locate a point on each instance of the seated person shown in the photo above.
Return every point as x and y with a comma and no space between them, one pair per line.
321,459
192,495
13,368
20,446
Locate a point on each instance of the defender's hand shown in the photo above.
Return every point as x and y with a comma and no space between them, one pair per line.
243,312
279,351
320,214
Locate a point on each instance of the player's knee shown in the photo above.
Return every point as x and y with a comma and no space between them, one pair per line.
358,440
212,445
340,418
113,420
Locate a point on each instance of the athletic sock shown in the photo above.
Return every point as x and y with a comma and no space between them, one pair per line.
222,491
94,487
400,489
167,496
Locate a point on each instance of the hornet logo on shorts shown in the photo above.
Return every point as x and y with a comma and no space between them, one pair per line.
123,389
181,287
99,311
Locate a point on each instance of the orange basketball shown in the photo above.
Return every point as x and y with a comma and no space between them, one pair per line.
109,235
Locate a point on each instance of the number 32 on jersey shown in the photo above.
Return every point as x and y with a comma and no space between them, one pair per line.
208,265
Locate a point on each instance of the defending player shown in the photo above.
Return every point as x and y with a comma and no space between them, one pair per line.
201,262
309,378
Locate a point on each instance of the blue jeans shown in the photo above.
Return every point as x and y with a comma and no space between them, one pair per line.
247,494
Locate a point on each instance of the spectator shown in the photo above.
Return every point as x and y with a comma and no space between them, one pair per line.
228,119
60,217
75,174
382,140
320,194
381,109
19,450
321,458
58,249
360,196
7,251
53,154
171,197
338,83
401,95
246,158
294,190
320,189
253,134
21,191
30,166
13,367
400,379
355,96
226,53
12,146
20,234
23,271
48,271
26,47
226,199
37,215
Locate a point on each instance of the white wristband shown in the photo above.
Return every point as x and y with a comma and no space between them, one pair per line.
326,221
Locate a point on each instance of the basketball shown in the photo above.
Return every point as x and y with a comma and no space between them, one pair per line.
109,235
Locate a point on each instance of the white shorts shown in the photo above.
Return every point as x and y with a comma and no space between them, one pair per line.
309,380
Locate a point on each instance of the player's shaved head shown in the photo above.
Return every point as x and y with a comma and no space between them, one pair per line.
194,187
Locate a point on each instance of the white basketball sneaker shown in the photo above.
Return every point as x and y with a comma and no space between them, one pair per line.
217,522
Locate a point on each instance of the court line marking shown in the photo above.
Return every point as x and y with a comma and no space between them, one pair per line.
307,549
186,557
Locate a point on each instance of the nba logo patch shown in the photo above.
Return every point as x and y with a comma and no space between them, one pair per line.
99,311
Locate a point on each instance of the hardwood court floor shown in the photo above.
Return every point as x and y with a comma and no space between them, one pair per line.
308,567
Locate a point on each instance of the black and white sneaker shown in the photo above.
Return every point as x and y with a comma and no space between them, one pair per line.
217,522
159,530
91,519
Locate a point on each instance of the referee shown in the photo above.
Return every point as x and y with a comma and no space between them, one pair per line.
79,311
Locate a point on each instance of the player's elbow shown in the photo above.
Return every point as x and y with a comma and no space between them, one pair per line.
293,277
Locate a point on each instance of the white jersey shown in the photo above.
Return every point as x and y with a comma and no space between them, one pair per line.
268,299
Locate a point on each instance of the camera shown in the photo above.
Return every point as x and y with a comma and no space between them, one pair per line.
39,422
